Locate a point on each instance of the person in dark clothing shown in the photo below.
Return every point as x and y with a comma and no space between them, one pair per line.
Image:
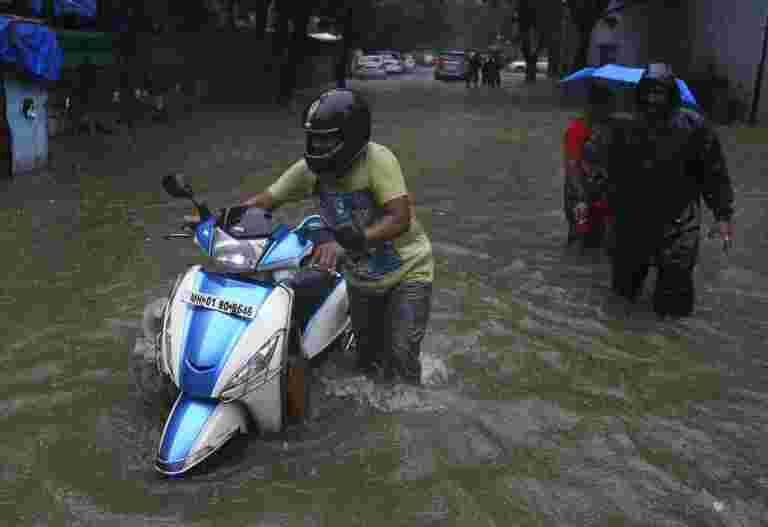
486,67
495,71
661,164
473,76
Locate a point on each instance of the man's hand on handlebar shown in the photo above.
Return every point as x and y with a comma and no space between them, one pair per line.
326,256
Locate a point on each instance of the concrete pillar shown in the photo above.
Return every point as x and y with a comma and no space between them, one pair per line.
29,131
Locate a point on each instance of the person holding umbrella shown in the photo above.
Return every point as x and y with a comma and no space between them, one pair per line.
662,164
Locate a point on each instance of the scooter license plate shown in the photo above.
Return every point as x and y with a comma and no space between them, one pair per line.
222,305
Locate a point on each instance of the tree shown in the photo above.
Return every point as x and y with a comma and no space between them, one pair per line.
290,42
261,9
539,26
354,19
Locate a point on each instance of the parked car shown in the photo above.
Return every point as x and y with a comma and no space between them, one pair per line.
519,66
393,61
452,65
393,65
370,67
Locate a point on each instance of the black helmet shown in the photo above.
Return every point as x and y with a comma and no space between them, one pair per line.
338,128
658,75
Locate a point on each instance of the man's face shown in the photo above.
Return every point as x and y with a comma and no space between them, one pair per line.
323,144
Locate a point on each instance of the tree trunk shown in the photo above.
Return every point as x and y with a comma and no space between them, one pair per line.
342,63
262,16
280,37
582,54
554,31
345,51
296,53
530,56
232,12
555,66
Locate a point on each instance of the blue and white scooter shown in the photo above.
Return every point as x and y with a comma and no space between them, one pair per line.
228,329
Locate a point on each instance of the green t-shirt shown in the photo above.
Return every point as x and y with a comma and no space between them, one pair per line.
359,196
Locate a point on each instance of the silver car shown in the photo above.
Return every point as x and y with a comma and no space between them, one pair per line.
370,67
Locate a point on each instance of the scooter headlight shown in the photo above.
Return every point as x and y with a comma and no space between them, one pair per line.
256,371
235,256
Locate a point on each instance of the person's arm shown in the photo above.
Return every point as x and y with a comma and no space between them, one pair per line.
262,200
716,185
597,147
395,221
717,189
389,191
294,185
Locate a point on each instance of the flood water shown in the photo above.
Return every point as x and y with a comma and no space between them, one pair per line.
544,403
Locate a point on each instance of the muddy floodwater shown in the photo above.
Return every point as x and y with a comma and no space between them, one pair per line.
543,404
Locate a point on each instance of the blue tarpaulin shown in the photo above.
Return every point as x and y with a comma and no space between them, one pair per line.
84,8
34,48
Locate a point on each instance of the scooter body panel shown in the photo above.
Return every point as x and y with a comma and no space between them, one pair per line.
195,429
328,322
286,252
203,341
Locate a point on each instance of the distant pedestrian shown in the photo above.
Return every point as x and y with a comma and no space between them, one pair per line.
497,65
473,74
487,71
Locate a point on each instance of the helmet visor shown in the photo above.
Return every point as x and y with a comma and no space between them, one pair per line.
322,144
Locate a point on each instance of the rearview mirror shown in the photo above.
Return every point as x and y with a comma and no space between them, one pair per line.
175,185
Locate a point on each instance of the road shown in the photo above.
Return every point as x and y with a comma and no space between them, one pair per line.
542,406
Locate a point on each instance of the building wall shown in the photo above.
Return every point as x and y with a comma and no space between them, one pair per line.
726,39
628,36
29,136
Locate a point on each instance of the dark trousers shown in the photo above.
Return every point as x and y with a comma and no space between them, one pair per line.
390,327
473,76
675,253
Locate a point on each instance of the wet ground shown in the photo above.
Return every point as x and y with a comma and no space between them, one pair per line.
544,404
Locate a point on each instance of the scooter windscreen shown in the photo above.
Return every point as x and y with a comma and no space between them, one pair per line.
247,223
236,240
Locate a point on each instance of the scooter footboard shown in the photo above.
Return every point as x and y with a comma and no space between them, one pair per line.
195,429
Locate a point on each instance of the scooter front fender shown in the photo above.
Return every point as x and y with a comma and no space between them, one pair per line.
195,429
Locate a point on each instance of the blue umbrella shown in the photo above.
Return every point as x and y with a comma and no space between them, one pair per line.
584,73
625,76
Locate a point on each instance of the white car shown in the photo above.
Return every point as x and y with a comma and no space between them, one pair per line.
410,63
519,66
393,65
370,67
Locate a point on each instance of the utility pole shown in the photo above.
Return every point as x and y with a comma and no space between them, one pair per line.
759,76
